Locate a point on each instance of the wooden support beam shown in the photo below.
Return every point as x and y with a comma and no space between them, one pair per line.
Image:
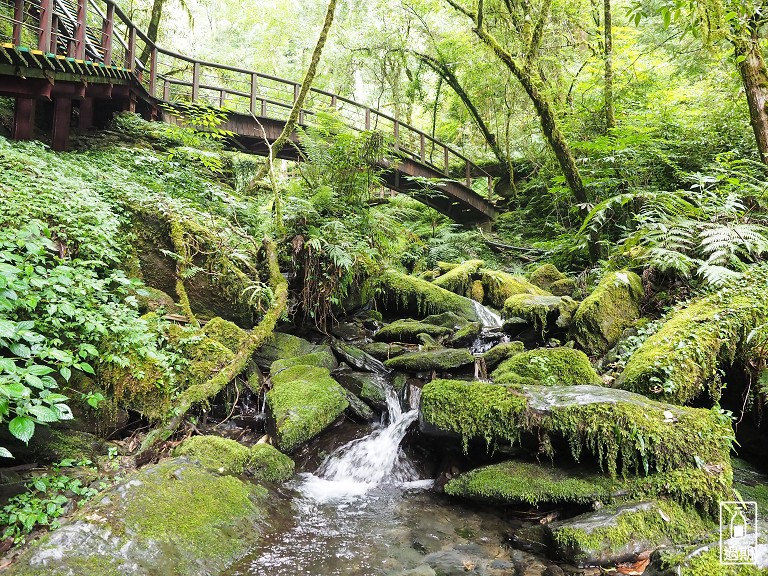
446,166
86,114
62,115
54,46
254,93
107,32
130,52
397,135
80,27
367,118
153,71
46,23
422,146
18,17
23,119
195,81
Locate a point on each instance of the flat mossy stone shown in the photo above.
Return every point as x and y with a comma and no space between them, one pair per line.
603,316
446,320
175,515
225,332
383,350
407,330
407,293
280,345
499,286
549,367
439,360
501,352
267,464
544,313
304,401
564,287
356,357
459,279
681,360
466,335
323,358
546,275
619,533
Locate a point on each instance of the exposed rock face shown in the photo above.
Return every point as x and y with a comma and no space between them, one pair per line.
549,367
603,315
173,517
440,360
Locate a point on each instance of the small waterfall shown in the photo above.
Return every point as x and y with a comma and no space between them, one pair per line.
360,465
487,317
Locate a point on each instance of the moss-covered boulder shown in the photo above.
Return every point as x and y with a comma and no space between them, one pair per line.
439,360
153,300
261,461
175,515
546,275
619,533
304,401
544,313
383,350
368,386
477,292
224,332
499,286
466,335
682,358
611,308
564,287
407,330
501,352
323,358
459,279
407,293
281,345
356,357
446,320
549,367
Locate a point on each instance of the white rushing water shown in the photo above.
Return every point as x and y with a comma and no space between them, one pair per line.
360,465
488,318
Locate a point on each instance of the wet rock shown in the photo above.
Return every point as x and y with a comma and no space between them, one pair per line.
350,331
446,320
407,330
281,345
500,285
459,279
369,387
323,358
611,308
303,401
544,313
502,352
357,358
439,360
175,515
358,411
382,350
549,367
467,335
546,275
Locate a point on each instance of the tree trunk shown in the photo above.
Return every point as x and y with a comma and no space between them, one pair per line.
610,118
153,27
755,79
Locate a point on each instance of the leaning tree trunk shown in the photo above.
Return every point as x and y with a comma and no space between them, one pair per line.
153,27
754,76
610,117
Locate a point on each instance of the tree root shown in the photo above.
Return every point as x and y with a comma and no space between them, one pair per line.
207,390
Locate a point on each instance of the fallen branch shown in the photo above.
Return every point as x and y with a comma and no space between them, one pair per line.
201,393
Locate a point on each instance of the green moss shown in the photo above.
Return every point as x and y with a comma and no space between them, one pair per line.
500,285
206,358
280,345
539,310
446,320
383,350
546,275
215,452
323,359
501,352
267,463
477,292
304,400
404,292
466,335
142,385
408,330
459,279
443,359
564,287
708,563
224,332
602,317
681,360
549,367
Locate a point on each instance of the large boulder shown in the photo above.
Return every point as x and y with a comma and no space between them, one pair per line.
323,358
502,352
304,401
546,275
439,360
549,367
498,286
545,313
174,517
611,308
407,330
280,345
459,279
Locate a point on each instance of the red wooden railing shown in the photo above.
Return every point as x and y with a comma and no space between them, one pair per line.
99,31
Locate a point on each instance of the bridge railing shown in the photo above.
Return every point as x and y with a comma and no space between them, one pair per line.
100,32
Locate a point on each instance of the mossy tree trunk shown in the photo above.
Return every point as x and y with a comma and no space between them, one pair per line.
610,117
754,76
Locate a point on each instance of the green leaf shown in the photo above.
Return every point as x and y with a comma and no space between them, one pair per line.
22,427
20,350
7,365
39,370
44,414
64,411
65,372
85,367
7,328
4,453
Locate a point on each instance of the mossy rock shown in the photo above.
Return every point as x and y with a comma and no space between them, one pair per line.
206,358
544,313
499,286
175,515
705,560
466,335
546,275
224,332
383,350
619,533
549,367
304,401
356,357
439,360
322,359
477,292
54,444
604,315
408,293
262,461
681,360
446,320
142,386
501,352
407,330
368,386
153,300
459,279
427,342
281,345
564,287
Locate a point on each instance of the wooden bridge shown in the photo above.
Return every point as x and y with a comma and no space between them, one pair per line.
84,60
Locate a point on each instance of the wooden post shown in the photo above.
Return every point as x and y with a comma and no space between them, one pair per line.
422,147
82,9
397,135
107,31
153,71
367,118
296,91
130,52
445,160
466,173
62,113
222,98
54,47
490,187
166,90
46,21
263,107
333,101
23,119
86,114
195,80
18,17
254,92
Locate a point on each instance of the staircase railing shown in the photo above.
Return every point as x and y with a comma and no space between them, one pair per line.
100,32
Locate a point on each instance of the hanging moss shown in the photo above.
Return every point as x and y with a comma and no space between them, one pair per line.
546,275
459,279
403,292
477,292
542,312
548,366
602,317
500,285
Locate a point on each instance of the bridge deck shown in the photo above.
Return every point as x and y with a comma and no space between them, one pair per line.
88,53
